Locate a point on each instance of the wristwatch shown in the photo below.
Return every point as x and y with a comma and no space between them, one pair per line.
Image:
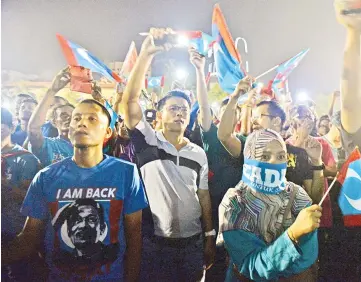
210,233
318,167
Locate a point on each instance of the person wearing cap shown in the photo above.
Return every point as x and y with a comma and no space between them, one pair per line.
86,209
350,82
18,167
51,150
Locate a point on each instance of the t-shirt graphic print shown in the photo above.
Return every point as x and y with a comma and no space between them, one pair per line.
85,209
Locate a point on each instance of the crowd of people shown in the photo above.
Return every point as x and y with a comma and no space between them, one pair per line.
232,195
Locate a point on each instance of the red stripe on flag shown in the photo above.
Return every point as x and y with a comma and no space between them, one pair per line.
54,207
115,212
220,21
68,53
116,77
162,81
352,220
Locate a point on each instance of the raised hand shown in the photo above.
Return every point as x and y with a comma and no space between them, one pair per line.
197,60
149,48
60,80
243,87
353,20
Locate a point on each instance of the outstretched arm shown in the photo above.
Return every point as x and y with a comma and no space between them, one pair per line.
132,110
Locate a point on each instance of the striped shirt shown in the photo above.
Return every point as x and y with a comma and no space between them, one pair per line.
171,180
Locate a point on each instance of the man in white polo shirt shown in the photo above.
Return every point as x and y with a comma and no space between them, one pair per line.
175,174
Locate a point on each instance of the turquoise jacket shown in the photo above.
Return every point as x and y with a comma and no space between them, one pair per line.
261,262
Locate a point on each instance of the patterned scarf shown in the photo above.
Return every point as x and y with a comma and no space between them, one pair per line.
261,214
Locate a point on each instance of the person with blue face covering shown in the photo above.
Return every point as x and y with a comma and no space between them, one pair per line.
266,223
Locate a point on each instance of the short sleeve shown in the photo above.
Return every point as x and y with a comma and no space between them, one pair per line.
203,176
143,136
35,204
43,153
135,198
30,168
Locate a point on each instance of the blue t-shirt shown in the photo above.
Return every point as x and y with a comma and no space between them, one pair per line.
49,130
18,165
19,137
53,150
84,209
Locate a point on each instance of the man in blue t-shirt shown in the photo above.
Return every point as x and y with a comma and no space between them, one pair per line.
18,167
51,150
90,207
26,109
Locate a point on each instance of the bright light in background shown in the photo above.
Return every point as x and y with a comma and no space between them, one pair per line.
183,40
302,96
181,74
6,105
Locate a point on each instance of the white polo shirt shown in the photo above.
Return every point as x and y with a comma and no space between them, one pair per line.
171,179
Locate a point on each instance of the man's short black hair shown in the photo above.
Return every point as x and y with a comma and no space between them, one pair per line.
174,93
53,114
6,117
23,95
322,118
104,109
274,109
29,100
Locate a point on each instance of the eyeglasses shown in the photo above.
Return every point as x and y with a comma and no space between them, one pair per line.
176,109
261,115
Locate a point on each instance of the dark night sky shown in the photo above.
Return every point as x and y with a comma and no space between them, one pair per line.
274,29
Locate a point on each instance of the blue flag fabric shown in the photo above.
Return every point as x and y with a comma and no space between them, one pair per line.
350,195
113,114
79,56
285,69
193,115
227,58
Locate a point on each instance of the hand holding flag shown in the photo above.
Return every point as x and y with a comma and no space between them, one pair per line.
149,48
227,59
79,56
60,80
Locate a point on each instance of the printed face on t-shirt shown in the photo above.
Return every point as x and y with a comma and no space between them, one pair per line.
84,226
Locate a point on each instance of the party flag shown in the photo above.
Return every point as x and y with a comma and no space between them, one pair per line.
79,56
155,81
193,116
285,68
199,40
129,60
227,59
350,194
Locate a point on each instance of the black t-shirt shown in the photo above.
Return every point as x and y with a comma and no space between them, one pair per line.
298,165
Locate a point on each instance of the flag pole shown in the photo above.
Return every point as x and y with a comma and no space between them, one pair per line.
328,190
266,72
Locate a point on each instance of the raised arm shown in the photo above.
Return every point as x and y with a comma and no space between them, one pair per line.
335,95
198,61
226,127
132,110
351,78
38,118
